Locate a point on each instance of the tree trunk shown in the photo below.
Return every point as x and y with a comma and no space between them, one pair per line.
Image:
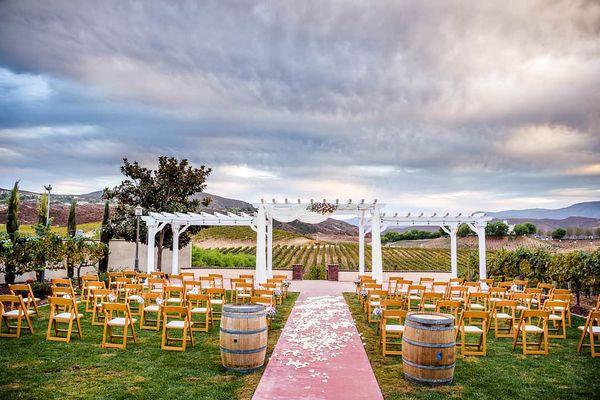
9,274
161,239
70,271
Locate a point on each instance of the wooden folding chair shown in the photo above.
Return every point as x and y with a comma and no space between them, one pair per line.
100,296
391,303
112,276
477,301
401,289
472,286
188,276
174,295
440,287
521,285
546,289
523,301
119,286
63,311
458,293
591,329
498,294
151,306
62,282
13,308
249,278
199,305
504,316
374,298
450,307
155,285
117,315
266,294
133,297
217,300
263,301
391,285
427,282
392,329
243,292
131,274
536,299
526,326
455,282
217,280
466,327
30,301
158,274
557,318
175,280
233,282
565,297
142,278
176,318
414,296
192,287
429,301
89,288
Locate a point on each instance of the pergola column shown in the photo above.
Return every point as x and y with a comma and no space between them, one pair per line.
175,252
152,230
261,233
480,231
376,256
270,247
453,251
361,243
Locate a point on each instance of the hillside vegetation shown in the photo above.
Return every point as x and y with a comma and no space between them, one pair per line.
346,255
241,233
91,228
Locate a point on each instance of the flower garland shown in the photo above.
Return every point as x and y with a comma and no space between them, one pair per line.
322,208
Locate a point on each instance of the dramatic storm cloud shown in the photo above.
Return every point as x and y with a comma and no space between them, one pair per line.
425,105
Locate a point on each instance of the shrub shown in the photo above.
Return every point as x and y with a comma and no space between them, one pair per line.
41,290
216,258
559,233
316,272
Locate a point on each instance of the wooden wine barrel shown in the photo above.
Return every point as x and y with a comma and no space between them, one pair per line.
428,348
243,337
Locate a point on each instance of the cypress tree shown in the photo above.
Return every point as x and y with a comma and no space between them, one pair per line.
12,228
42,209
71,224
105,236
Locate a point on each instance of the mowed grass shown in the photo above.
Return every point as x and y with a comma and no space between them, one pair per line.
32,368
502,374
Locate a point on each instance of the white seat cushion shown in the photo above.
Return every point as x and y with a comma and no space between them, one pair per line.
156,290
472,329
559,308
66,315
199,310
120,321
457,299
152,308
501,315
476,306
15,313
174,300
522,308
533,329
555,317
176,324
495,299
414,297
243,295
375,303
394,328
216,301
135,297
27,299
595,329
429,306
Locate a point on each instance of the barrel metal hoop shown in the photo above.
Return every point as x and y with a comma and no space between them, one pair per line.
244,370
243,309
435,328
429,367
244,316
428,381
251,351
429,345
442,320
238,332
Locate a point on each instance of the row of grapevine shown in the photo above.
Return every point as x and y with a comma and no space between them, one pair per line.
346,255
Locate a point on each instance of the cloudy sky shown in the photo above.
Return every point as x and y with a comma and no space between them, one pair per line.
426,105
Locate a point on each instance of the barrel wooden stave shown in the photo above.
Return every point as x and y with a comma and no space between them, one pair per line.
243,337
428,348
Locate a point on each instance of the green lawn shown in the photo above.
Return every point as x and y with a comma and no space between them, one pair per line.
564,374
32,368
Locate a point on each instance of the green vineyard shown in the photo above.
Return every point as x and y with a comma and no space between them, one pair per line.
346,255
242,233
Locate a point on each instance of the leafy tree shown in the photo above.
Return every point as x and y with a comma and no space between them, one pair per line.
71,223
496,228
42,209
105,236
82,252
559,233
525,229
169,188
570,268
464,230
597,231
531,228
12,229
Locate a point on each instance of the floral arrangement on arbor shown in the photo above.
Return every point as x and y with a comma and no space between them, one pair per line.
322,208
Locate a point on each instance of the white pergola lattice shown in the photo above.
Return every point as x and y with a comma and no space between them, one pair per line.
450,224
370,219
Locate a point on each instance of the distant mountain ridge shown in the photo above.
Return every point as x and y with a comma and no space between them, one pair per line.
589,209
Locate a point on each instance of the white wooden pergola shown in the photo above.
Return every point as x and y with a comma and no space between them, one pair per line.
450,224
370,219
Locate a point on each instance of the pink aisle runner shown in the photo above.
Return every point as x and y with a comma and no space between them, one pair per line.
319,354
